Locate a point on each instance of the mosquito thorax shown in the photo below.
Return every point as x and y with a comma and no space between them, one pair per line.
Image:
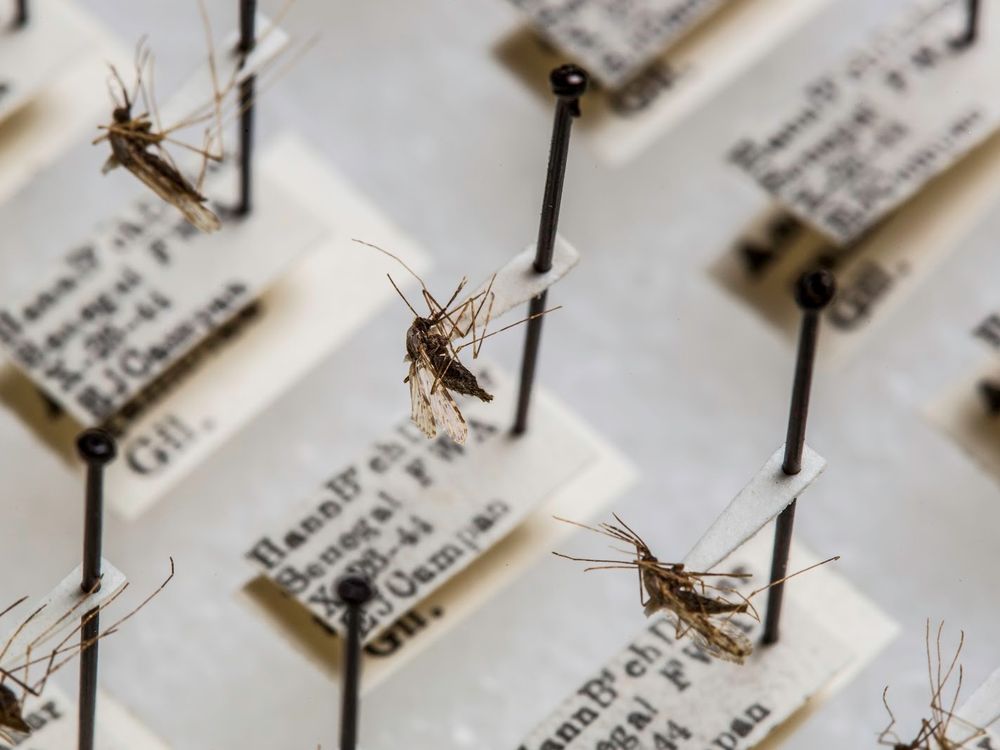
10,710
416,334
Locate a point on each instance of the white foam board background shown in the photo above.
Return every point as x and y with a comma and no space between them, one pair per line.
409,102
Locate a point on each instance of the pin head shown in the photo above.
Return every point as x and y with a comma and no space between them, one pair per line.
815,289
568,81
96,446
355,590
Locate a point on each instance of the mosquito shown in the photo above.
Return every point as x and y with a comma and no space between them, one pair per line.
934,733
435,371
18,678
694,606
138,141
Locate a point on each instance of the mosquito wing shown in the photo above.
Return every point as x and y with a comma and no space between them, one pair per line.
420,402
443,409
722,639
156,174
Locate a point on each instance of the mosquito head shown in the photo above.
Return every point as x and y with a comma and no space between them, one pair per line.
10,711
122,115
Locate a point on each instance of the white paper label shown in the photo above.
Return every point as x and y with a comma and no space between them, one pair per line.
871,133
123,307
877,272
620,123
612,39
411,513
54,723
67,105
583,495
964,413
662,694
259,354
31,55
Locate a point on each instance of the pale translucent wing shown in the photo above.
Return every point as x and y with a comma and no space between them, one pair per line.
420,404
194,211
700,630
198,214
443,407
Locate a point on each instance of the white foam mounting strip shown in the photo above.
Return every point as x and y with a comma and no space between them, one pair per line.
767,494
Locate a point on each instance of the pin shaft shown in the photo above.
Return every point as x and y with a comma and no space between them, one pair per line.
568,83
97,449
815,290
248,40
355,592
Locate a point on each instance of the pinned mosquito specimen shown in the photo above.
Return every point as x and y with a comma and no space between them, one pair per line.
938,732
17,678
694,606
432,353
138,147
138,141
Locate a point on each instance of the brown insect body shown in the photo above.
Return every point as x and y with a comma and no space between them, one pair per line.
11,718
131,142
435,369
423,339
693,605
674,591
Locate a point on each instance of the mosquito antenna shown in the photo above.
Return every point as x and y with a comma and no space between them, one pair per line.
402,296
121,83
110,81
395,258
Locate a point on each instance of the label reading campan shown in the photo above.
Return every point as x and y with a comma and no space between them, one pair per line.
615,39
868,135
123,307
660,693
411,513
